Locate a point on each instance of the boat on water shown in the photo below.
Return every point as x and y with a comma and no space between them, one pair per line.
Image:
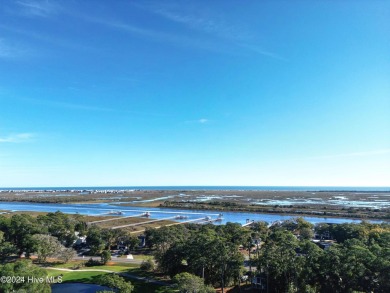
146,214
181,217
219,218
210,219
115,213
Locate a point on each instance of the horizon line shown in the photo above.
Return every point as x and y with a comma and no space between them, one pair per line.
164,186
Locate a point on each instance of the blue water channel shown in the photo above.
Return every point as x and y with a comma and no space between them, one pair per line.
160,213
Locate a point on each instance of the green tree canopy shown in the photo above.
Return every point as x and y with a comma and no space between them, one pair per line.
24,269
188,283
46,246
116,282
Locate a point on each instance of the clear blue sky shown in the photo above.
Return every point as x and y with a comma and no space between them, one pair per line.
194,93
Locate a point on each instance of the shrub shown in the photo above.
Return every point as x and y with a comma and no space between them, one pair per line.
116,282
105,257
91,263
147,265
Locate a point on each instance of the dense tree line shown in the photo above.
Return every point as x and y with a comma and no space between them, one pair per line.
358,260
48,235
286,258
16,276
99,239
53,235
283,254
208,251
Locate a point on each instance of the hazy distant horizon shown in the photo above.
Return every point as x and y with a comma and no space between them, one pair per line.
205,187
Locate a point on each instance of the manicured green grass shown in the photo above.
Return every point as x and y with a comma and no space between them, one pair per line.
77,276
80,276
116,267
68,265
142,256
91,277
130,268
119,268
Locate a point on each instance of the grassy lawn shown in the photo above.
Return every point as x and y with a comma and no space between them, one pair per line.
80,276
77,276
116,267
92,277
142,256
68,265
130,268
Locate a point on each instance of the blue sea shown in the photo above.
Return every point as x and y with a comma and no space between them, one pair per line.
187,188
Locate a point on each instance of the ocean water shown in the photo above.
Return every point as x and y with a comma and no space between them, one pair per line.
188,188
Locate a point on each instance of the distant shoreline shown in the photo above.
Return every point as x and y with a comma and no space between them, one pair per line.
351,204
291,210
98,189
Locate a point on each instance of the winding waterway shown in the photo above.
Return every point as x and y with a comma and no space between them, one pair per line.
161,213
